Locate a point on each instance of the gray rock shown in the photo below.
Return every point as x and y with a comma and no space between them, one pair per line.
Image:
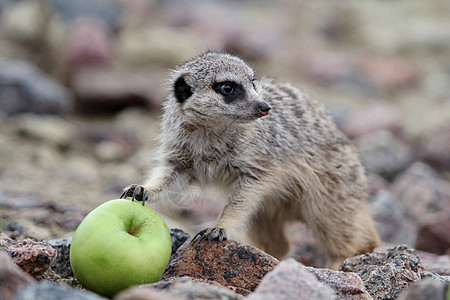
421,190
108,11
382,153
61,265
178,238
435,148
12,277
434,276
439,264
24,88
179,288
51,291
392,222
291,280
386,273
428,289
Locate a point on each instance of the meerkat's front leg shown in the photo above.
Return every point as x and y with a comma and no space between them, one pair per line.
163,177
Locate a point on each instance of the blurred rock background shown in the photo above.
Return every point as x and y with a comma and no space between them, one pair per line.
82,82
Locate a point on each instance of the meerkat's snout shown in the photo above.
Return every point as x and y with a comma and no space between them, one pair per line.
263,109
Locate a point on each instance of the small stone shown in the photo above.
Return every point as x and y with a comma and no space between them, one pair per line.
434,233
33,257
52,291
179,237
421,190
386,273
439,264
392,222
227,263
50,129
427,289
435,148
291,280
347,285
12,277
61,265
382,153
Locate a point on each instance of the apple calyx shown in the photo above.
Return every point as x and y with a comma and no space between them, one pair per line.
134,229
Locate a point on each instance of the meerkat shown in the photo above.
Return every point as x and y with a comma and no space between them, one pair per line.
277,153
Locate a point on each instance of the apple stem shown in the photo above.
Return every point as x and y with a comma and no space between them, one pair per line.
133,230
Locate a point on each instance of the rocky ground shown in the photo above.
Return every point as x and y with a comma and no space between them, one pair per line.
81,86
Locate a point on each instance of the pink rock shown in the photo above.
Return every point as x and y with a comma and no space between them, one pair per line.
291,280
89,43
390,73
434,233
373,118
435,148
33,257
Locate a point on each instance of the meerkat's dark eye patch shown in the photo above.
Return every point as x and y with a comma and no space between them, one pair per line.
182,90
230,90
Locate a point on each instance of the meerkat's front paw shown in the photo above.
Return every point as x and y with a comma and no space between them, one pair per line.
211,234
136,192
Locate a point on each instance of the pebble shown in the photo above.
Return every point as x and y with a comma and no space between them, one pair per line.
12,278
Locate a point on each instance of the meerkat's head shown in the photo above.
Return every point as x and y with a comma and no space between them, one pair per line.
217,86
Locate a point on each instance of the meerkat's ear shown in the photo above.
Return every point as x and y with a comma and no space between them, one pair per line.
182,90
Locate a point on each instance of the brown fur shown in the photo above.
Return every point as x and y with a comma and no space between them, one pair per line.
291,164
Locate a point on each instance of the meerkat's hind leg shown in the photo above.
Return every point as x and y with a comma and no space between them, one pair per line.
268,229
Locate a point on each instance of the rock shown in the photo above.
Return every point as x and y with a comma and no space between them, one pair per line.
33,257
392,222
104,89
52,291
49,129
89,43
238,267
13,229
439,264
421,190
108,12
61,265
12,277
435,148
179,288
376,183
178,238
434,233
291,280
389,73
373,118
427,289
347,285
25,22
24,88
382,153
387,273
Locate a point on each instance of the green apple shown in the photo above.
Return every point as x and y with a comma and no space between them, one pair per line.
119,244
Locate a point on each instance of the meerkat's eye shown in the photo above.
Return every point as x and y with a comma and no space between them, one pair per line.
225,88
230,91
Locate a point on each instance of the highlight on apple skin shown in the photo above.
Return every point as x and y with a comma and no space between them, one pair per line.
119,244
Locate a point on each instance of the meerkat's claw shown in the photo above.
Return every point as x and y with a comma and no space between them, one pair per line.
211,234
136,192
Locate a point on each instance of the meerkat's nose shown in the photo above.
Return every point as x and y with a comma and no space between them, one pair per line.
263,109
